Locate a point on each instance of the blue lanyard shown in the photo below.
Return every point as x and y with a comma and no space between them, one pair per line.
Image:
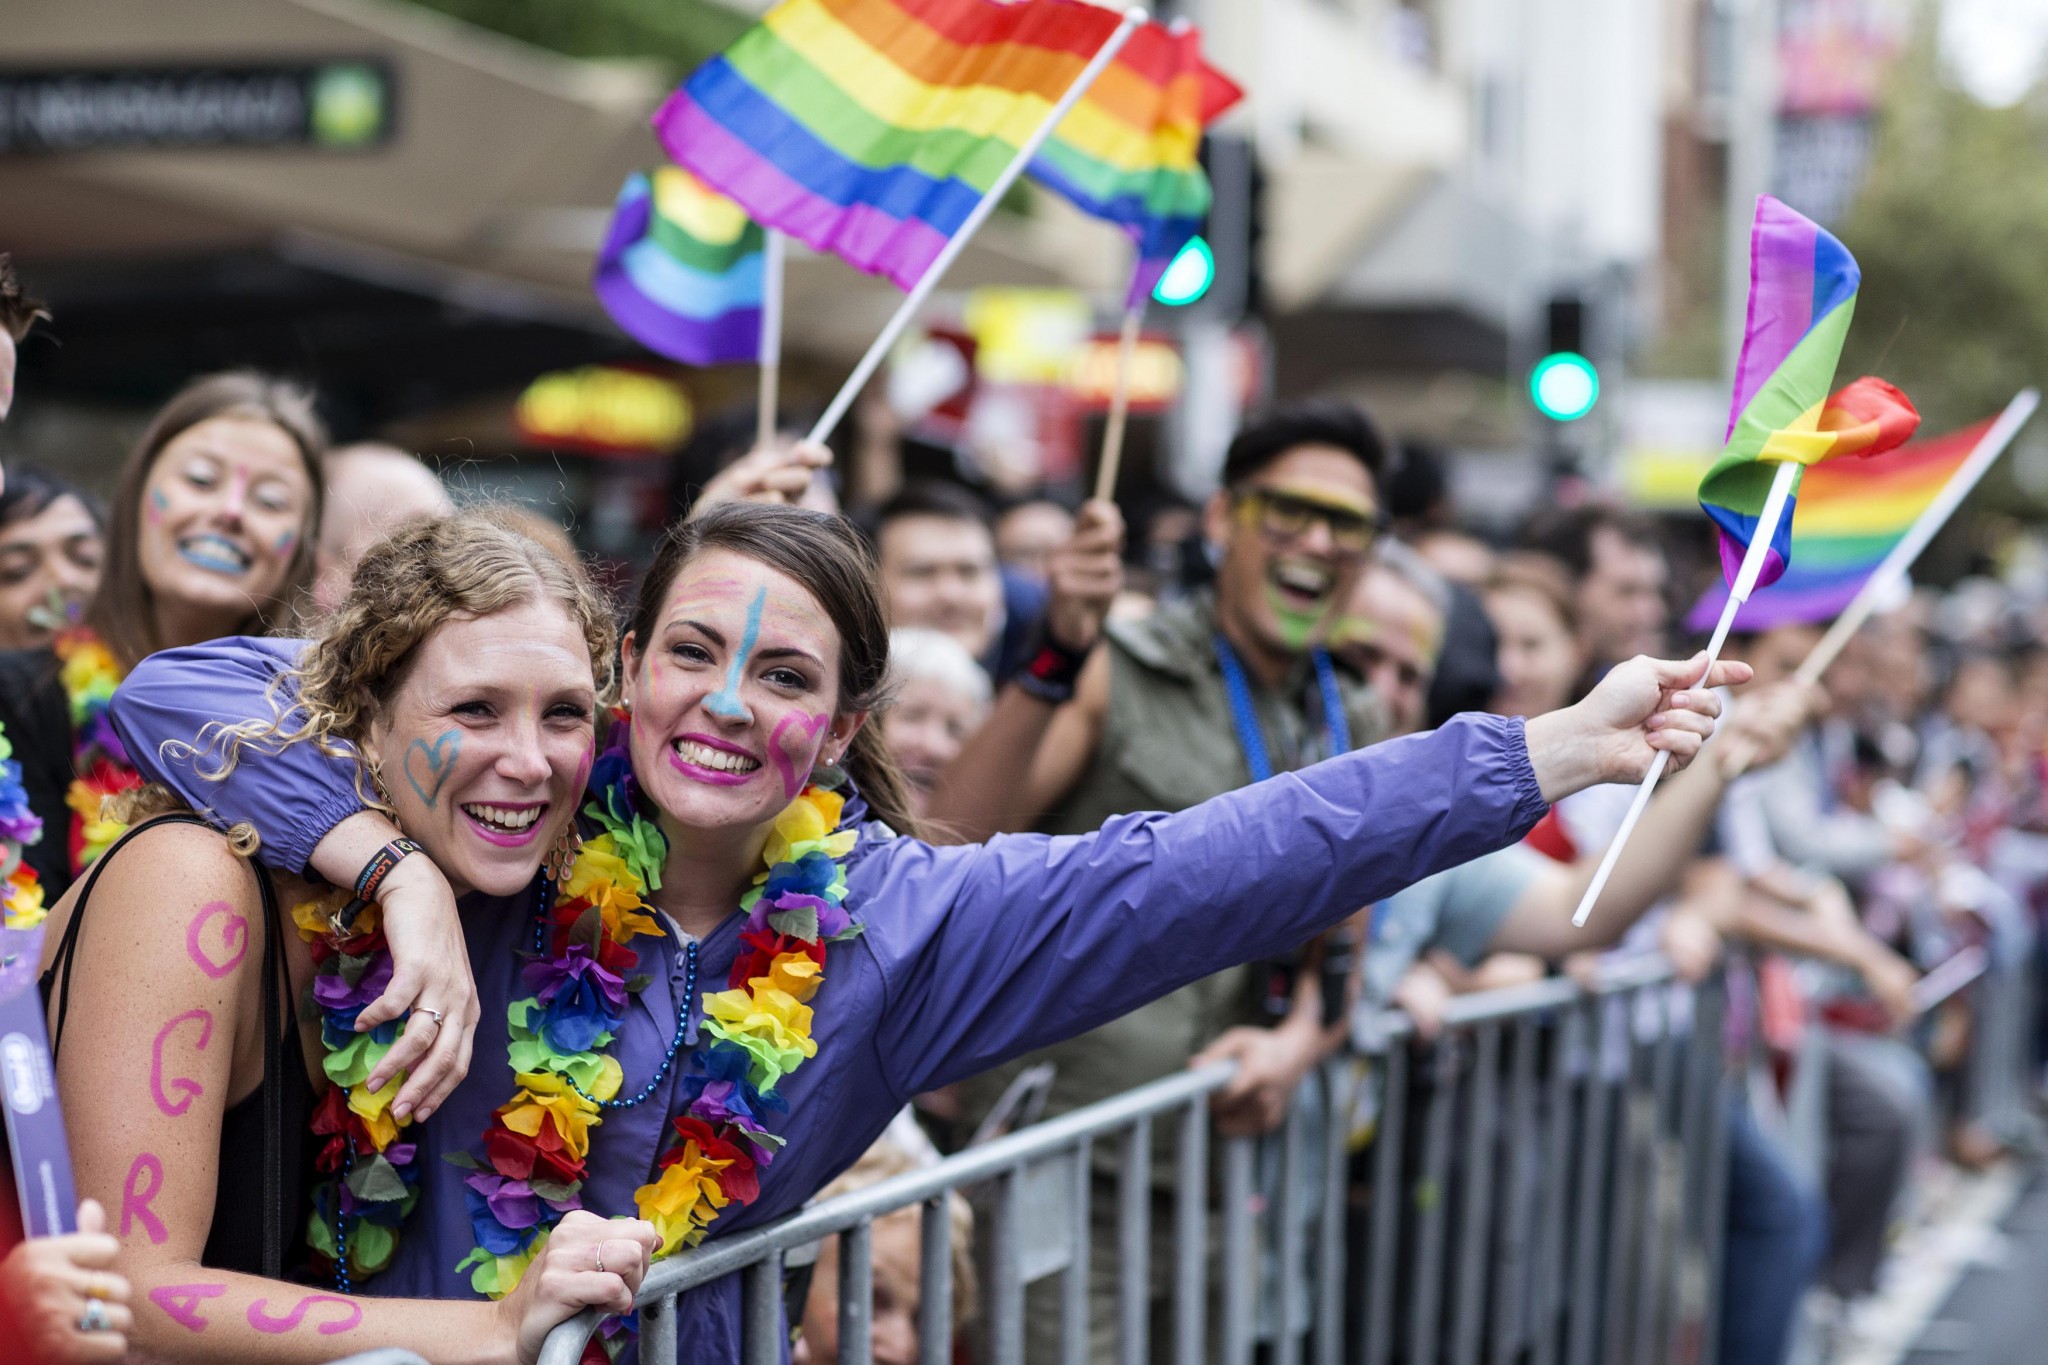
1250,738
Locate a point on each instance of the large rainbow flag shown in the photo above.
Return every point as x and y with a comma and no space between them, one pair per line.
680,270
1849,519
1802,293
871,128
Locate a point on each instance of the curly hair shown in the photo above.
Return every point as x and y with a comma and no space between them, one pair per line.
474,563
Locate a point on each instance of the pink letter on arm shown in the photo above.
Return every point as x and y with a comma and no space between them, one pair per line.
261,1320
181,1302
187,1089
135,1199
234,937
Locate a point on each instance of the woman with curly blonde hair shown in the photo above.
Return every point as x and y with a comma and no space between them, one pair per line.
461,678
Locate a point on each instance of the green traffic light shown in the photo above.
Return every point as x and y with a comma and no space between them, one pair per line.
1188,276
1565,386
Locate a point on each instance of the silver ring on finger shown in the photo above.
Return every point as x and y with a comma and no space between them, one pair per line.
95,1318
599,1249
438,1016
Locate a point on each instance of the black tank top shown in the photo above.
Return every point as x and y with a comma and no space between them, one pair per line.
255,1230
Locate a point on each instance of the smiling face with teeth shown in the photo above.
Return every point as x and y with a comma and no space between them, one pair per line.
1276,593
485,743
224,512
735,698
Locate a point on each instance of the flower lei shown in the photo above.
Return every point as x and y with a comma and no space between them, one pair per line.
370,1182
755,1031
89,676
21,892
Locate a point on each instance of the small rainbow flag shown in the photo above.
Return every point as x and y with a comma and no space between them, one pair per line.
680,270
1849,520
1802,293
871,128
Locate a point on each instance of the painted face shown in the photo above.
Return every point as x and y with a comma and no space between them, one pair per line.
223,510
487,743
940,572
926,728
734,695
49,563
1392,634
1295,539
1540,660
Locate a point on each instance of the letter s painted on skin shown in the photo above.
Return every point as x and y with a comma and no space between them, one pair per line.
261,1320
187,1089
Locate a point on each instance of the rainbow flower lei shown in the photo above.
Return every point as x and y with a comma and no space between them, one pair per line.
21,892
89,676
370,1182
754,1032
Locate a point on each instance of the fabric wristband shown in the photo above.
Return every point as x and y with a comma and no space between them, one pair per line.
379,867
1051,674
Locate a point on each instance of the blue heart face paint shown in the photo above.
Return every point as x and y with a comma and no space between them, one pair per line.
726,701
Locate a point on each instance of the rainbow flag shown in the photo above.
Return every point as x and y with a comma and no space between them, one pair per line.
1849,520
680,270
1802,293
871,128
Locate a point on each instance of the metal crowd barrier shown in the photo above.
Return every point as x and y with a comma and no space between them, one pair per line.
1537,1182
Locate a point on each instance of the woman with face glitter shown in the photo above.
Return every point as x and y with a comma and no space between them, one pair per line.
210,534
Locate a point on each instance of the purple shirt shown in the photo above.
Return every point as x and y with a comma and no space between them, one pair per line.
971,954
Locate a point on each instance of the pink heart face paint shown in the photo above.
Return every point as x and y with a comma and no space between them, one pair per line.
794,747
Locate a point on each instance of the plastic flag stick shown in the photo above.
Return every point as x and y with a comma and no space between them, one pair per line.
1783,482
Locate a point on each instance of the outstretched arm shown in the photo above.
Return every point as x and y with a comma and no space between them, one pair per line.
310,815
993,950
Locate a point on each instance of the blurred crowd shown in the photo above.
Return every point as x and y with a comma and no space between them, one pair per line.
1054,669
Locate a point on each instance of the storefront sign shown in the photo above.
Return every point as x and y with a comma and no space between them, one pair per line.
331,105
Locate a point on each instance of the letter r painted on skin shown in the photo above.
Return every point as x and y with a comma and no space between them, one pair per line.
726,700
145,1181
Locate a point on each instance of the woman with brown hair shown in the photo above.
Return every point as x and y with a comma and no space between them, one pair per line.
745,817
457,681
209,535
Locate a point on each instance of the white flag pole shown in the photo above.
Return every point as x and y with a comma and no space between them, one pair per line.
929,281
1782,484
1989,447
774,253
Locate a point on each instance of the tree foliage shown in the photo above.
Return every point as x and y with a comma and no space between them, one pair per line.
1951,229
